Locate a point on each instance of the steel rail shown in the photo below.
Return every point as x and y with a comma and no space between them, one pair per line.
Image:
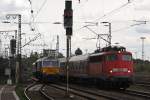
45,95
138,93
26,89
73,90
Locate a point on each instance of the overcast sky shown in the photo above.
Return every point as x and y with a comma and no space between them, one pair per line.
120,13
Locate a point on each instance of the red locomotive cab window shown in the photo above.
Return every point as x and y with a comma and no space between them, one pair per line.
126,57
96,59
111,57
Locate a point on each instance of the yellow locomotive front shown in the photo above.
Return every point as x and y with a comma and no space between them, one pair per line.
50,67
47,69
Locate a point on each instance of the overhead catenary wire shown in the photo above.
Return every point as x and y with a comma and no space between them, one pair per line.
130,26
109,13
46,0
38,34
43,4
114,10
33,17
33,39
97,34
97,45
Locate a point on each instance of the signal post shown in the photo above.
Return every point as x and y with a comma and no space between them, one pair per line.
18,62
68,23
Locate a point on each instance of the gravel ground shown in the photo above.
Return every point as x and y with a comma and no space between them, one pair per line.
7,93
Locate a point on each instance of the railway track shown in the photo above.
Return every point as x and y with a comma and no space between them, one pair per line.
86,93
145,95
45,95
94,94
89,93
42,95
143,85
26,91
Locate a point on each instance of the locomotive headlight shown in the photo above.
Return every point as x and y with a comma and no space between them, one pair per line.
129,71
110,71
44,71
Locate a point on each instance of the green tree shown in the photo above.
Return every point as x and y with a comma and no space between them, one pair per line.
78,52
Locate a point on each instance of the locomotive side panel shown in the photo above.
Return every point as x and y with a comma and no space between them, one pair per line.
95,69
95,66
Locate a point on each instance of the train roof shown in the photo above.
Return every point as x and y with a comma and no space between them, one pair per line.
109,52
62,59
46,59
76,58
110,49
105,50
79,57
96,54
113,48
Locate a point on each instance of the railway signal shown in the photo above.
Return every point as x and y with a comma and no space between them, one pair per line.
13,46
68,17
68,23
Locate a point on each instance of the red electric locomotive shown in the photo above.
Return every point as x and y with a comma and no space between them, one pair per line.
111,67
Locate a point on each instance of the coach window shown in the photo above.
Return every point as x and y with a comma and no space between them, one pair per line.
78,66
81,65
74,66
85,64
71,65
